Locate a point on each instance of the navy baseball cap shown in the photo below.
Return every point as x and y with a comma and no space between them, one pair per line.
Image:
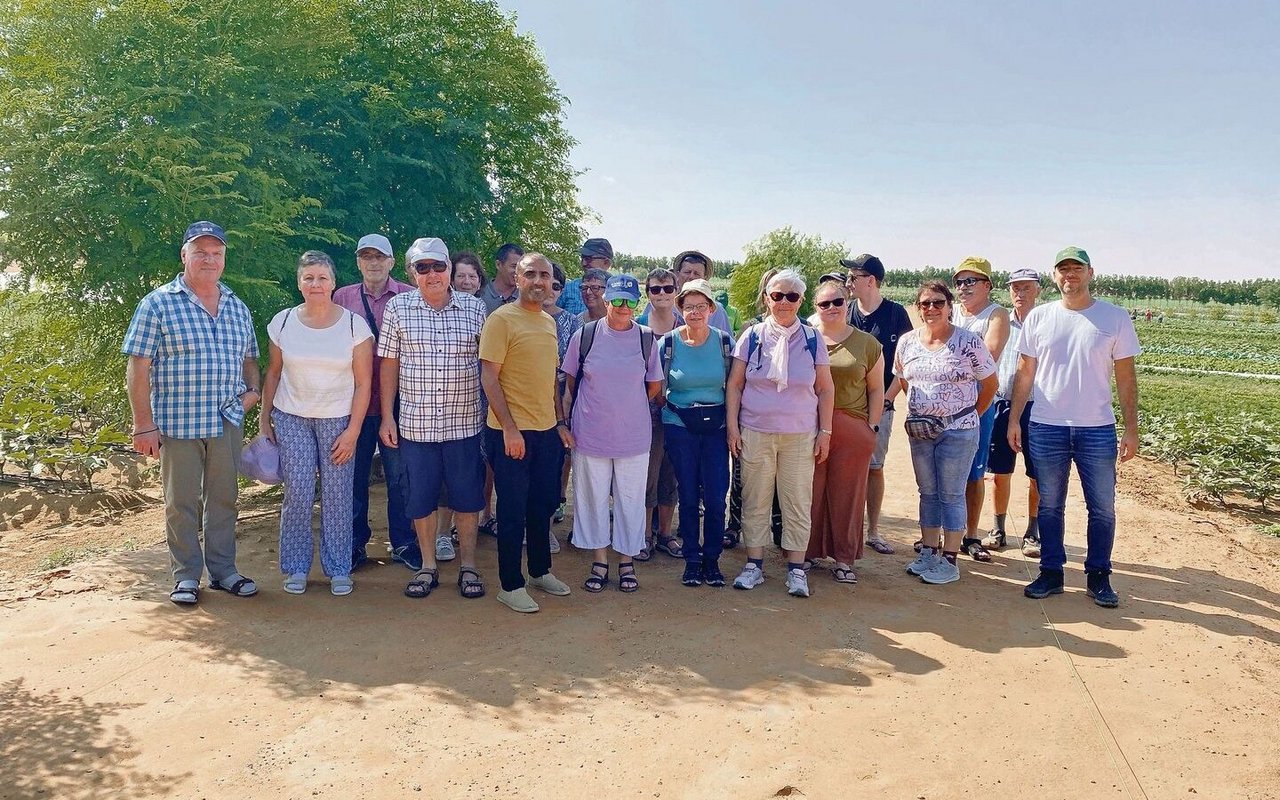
622,287
597,248
204,228
867,263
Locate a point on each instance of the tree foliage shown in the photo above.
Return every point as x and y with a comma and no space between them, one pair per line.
295,124
783,247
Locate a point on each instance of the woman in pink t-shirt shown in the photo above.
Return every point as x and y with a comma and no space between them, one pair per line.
779,404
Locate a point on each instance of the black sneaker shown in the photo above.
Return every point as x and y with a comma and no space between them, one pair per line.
1049,582
711,574
1100,589
692,574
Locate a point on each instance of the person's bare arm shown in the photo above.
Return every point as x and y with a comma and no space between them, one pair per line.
253,380
388,384
146,438
1022,381
997,333
1127,389
825,388
733,402
875,392
362,370
275,363
987,393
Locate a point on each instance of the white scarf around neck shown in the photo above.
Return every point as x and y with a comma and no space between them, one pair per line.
779,338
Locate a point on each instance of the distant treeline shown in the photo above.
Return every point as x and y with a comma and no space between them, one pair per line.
1261,292
640,265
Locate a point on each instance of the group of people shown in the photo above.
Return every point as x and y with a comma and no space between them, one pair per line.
773,430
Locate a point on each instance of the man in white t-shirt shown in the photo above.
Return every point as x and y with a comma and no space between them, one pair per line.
1069,350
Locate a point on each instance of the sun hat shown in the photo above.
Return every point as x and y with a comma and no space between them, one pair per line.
697,286
974,264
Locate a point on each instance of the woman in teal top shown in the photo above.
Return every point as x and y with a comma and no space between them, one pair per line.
695,359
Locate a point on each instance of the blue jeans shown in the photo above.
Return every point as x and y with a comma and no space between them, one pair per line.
1094,450
399,530
701,464
942,472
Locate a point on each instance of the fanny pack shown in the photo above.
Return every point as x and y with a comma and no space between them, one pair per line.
928,427
701,418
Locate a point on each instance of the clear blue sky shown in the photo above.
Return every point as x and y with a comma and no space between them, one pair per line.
1146,132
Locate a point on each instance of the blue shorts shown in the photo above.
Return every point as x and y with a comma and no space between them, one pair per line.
457,465
986,423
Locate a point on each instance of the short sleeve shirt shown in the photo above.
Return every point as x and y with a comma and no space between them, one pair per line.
316,380
523,344
611,411
944,382
492,300
438,352
353,299
851,359
1075,354
197,359
795,408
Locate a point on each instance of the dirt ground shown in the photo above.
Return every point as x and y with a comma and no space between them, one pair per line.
888,689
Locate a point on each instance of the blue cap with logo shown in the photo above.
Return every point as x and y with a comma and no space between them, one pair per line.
622,287
204,228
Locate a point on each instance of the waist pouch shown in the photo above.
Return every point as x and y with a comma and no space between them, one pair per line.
928,427
701,418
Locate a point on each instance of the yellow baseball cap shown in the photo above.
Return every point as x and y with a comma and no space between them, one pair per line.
974,264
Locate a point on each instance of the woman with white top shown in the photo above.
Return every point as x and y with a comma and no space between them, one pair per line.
313,401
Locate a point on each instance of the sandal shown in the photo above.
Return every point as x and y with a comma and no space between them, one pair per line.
489,527
596,582
185,595
731,538
470,588
844,574
880,546
645,553
975,550
627,581
917,544
419,588
668,545
244,587
296,583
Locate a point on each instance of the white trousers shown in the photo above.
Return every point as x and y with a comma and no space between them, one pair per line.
594,480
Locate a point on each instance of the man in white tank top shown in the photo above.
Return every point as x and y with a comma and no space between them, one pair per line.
978,313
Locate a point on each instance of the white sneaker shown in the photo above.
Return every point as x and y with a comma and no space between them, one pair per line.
923,562
750,577
942,571
444,548
797,583
555,544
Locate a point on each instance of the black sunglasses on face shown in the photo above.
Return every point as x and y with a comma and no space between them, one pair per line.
835,301
668,289
790,297
423,267
968,281
922,304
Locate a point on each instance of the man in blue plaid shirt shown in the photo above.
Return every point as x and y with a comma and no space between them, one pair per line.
192,375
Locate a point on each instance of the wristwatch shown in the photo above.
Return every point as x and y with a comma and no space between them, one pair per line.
875,428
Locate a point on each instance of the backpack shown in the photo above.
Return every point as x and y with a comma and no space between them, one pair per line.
669,348
810,342
589,338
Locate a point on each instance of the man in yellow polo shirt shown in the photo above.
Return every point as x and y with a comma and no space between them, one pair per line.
524,439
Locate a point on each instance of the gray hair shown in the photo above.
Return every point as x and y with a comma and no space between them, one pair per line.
790,277
596,274
314,258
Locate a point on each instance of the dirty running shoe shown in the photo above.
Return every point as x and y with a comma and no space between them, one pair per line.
797,583
444,548
1031,546
750,577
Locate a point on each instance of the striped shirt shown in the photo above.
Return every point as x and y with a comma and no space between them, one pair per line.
439,355
197,359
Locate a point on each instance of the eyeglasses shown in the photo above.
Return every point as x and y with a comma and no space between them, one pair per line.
696,308
790,297
592,287
835,301
962,282
923,304
668,289
853,276
555,287
619,302
423,267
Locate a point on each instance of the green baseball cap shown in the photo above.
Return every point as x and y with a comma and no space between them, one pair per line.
1072,254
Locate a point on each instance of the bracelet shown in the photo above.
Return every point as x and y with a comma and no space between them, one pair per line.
144,433
824,430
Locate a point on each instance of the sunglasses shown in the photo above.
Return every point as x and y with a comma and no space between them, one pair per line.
922,304
835,301
619,302
668,289
790,297
960,282
555,287
423,267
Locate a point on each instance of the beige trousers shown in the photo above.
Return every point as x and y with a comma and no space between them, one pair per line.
787,460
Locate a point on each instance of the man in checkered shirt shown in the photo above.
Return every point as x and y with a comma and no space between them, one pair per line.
192,375
429,346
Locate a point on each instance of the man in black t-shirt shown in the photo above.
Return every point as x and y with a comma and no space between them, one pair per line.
886,320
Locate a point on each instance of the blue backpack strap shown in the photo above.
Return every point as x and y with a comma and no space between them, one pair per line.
811,342
753,342
666,354
646,343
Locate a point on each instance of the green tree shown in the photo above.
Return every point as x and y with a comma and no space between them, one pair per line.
295,124
783,247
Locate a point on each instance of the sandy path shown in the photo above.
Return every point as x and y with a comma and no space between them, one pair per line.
889,689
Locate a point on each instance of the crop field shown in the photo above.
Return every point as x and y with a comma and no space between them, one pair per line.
1211,345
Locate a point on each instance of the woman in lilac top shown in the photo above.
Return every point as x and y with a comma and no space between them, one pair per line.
606,402
780,401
